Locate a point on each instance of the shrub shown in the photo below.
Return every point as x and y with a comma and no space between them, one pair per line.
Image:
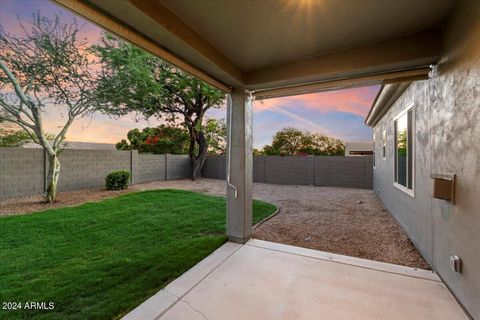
117,180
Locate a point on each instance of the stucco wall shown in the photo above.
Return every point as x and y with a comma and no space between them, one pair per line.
447,140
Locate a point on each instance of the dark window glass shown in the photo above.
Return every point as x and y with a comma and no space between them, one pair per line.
409,150
384,143
401,150
374,145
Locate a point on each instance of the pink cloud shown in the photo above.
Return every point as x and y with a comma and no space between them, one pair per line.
356,100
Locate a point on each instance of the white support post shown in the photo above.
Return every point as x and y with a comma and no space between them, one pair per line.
239,165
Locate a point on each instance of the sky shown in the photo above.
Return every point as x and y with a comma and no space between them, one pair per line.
339,113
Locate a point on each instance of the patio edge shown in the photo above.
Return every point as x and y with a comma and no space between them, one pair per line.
155,306
352,261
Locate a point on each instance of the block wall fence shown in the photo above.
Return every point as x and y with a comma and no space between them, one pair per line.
23,172
334,171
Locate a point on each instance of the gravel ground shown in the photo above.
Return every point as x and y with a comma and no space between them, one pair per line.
351,222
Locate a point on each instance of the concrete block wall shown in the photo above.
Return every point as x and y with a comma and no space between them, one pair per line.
289,170
178,167
23,172
258,168
215,167
151,167
349,172
86,169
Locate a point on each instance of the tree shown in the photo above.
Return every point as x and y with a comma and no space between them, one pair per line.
291,141
13,138
216,135
135,80
160,140
123,145
45,66
174,139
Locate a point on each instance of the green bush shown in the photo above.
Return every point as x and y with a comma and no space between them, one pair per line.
117,180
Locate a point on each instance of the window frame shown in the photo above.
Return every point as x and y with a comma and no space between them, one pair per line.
410,192
384,144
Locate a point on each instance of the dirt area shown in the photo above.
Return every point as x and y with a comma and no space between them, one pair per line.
339,220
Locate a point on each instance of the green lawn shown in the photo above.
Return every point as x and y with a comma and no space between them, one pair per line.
100,260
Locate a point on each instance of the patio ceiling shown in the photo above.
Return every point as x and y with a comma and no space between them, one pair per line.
271,44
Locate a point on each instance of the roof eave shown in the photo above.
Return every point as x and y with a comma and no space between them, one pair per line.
386,97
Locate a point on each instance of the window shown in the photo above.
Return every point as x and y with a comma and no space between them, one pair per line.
404,150
374,151
384,144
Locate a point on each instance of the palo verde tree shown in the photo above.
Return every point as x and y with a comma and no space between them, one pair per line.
44,66
133,80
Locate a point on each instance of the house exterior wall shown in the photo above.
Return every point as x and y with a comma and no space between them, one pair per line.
447,140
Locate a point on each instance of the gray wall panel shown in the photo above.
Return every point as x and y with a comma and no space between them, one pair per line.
349,172
23,171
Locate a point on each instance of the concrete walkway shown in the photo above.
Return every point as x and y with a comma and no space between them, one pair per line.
265,280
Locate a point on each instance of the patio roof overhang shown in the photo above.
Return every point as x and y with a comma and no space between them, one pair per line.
278,48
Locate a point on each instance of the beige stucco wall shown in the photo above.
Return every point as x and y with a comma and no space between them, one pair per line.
447,115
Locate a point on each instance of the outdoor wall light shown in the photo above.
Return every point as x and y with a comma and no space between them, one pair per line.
456,264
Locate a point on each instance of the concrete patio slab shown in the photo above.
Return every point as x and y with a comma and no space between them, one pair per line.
264,280
155,306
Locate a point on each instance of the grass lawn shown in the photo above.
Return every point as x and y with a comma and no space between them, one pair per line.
100,260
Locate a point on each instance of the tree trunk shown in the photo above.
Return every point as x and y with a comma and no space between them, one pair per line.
53,175
201,157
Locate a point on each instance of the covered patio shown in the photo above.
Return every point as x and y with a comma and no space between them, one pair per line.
271,49
306,46
264,280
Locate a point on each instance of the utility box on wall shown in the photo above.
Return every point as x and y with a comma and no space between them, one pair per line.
444,186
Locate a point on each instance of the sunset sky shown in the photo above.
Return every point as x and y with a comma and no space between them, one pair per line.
337,113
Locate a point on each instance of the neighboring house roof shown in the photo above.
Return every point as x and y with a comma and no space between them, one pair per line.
358,148
359,145
77,145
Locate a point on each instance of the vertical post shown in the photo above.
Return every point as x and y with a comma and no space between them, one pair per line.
134,163
239,166
131,166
